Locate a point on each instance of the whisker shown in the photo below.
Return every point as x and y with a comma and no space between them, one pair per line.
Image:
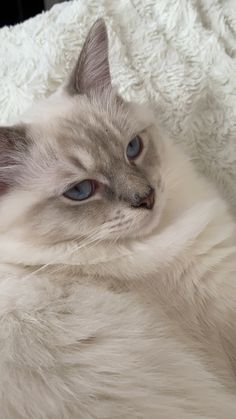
84,243
95,236
89,247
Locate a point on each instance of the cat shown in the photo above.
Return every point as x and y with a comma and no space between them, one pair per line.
117,263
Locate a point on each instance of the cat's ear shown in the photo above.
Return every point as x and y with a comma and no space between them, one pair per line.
91,71
13,145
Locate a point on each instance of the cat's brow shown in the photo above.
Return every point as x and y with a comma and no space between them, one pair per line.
82,160
75,161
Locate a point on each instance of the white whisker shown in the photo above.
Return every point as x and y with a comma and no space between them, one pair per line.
96,236
85,242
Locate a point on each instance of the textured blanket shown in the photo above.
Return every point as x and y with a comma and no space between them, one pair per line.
178,54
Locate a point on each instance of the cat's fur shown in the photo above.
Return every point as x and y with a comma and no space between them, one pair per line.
109,311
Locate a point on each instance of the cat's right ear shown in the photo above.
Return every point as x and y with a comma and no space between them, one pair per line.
13,146
91,71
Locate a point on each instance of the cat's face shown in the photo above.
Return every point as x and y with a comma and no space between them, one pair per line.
84,164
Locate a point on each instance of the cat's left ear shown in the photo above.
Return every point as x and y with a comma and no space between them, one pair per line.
91,71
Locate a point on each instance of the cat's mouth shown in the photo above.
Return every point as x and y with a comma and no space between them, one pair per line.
139,223
147,224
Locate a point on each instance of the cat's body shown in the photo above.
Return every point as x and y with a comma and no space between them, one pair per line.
136,317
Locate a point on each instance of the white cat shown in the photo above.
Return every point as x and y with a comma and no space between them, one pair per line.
117,261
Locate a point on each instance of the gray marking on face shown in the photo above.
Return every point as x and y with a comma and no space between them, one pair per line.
86,138
76,162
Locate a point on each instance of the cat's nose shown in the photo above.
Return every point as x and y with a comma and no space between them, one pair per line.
145,201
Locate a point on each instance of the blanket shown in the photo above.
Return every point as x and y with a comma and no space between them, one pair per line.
180,55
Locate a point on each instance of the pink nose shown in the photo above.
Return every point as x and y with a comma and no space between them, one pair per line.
146,201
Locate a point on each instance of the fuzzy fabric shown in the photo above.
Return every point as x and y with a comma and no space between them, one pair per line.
178,54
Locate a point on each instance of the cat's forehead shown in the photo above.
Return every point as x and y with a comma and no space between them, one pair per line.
91,134
94,126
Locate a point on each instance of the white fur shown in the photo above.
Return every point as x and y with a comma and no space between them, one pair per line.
143,329
153,337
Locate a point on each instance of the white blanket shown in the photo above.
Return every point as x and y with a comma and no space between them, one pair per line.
180,54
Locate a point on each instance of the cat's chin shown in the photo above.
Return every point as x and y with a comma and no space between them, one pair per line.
146,226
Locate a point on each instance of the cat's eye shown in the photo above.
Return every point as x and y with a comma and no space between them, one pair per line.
134,148
82,190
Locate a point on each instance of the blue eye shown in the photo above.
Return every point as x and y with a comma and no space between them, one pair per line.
134,148
82,190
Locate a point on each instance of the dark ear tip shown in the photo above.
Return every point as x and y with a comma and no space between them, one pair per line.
100,22
99,26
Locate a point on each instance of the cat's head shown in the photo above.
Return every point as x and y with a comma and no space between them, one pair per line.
83,164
